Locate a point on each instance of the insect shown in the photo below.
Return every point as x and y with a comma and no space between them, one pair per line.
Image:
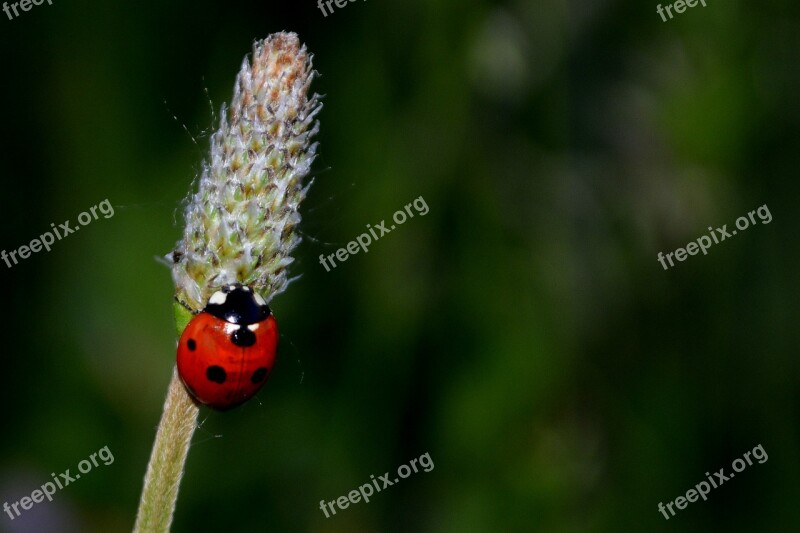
227,350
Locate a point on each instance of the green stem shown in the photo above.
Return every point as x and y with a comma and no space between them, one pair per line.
170,449
167,460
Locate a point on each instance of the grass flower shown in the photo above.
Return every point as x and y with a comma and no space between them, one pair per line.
239,226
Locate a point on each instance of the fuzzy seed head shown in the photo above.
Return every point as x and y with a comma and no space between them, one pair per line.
240,223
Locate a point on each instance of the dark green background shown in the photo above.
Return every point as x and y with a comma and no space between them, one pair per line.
522,332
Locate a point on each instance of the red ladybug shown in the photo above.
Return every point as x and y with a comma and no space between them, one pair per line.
227,350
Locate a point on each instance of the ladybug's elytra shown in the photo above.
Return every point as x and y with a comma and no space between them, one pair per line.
227,350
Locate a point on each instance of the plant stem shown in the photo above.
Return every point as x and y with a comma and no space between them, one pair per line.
165,469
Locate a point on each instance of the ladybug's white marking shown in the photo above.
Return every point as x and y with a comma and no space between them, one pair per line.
231,287
259,299
253,327
230,328
218,298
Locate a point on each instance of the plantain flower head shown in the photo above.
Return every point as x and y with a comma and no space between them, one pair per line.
240,224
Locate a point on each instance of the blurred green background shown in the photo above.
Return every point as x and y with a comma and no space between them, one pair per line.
522,332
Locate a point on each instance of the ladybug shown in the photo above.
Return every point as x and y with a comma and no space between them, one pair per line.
227,350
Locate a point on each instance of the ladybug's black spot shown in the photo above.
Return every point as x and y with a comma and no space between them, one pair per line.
243,337
259,375
191,344
216,374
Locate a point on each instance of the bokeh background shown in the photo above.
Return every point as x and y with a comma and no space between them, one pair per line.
522,332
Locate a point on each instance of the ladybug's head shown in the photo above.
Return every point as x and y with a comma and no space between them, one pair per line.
238,304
